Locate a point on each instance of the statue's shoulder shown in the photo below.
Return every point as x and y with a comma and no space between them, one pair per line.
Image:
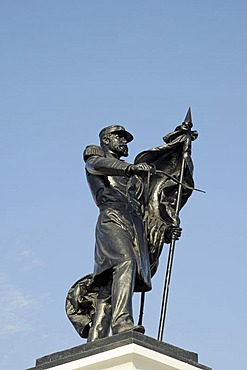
91,150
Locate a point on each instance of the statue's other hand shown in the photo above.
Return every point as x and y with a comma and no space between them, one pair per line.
173,232
140,169
176,232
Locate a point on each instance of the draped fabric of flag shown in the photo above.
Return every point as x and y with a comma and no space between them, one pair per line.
160,190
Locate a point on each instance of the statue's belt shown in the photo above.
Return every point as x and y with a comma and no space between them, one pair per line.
131,206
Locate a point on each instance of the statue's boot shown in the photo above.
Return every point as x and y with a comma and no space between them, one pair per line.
128,327
101,321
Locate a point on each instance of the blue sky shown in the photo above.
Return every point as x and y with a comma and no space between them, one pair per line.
69,68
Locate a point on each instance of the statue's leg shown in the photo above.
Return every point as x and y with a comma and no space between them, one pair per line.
102,318
122,290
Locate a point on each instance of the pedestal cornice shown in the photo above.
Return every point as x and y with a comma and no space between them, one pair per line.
114,342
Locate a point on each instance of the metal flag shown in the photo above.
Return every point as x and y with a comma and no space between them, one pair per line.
165,193
185,154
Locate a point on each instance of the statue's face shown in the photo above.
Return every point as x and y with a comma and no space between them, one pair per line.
118,144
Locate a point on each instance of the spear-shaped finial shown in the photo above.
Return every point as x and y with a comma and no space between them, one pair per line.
188,118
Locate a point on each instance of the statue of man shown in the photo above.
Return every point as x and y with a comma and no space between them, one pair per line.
121,249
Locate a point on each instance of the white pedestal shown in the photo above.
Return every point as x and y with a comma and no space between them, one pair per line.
128,351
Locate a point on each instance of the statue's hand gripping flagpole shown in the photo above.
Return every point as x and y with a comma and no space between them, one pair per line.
185,154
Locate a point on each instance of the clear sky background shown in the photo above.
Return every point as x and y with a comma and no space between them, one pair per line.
69,68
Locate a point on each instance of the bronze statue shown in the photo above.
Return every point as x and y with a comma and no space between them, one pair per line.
137,204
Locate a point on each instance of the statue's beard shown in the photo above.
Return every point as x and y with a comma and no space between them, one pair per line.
121,150
124,150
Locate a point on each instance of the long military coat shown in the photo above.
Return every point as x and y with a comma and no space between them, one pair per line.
119,231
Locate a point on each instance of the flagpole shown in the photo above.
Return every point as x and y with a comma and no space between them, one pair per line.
173,241
141,308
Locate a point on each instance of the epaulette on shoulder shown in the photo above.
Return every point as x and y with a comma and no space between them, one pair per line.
92,150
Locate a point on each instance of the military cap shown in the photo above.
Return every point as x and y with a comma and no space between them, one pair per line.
114,129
